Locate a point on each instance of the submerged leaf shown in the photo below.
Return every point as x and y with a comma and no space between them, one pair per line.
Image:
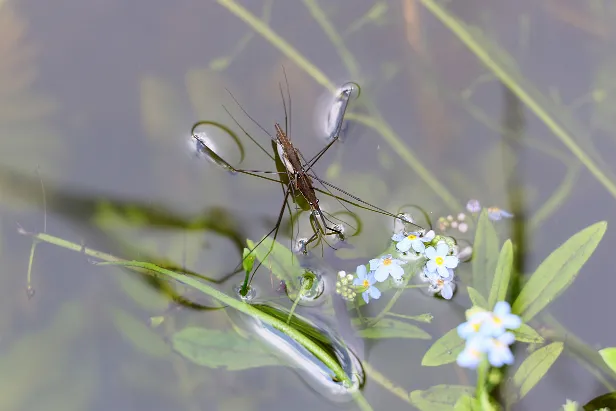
279,260
485,252
388,328
139,334
500,283
439,397
535,367
221,349
444,350
557,271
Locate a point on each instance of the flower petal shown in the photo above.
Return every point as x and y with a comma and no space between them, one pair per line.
442,249
396,271
381,274
501,308
374,263
362,272
451,261
429,236
365,296
404,245
431,253
431,265
418,246
358,281
442,271
511,321
374,292
507,338
447,291
398,237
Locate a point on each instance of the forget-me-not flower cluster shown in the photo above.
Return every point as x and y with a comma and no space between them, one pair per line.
486,334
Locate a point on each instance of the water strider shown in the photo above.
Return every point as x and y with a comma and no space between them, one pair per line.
294,172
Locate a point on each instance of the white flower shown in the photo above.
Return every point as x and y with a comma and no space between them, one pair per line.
439,261
385,266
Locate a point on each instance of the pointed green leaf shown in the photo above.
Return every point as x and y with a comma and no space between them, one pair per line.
388,328
439,397
498,292
527,334
609,356
485,253
557,271
467,403
221,349
476,298
605,401
444,350
536,366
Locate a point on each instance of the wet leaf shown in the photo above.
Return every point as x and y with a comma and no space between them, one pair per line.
248,261
528,334
498,292
536,366
476,298
388,328
440,397
467,403
444,350
485,252
609,356
138,333
607,401
557,271
221,349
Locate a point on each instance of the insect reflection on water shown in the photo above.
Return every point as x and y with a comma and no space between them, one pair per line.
295,173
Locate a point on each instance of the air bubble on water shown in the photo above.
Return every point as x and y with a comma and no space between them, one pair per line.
351,89
251,293
311,287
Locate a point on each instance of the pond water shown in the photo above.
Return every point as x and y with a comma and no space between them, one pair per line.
98,102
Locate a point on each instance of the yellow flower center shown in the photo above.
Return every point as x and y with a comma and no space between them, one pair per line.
387,261
439,260
497,320
475,353
476,327
366,283
411,236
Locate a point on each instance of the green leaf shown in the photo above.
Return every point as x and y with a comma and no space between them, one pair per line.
388,328
536,366
221,349
248,261
557,271
138,333
476,298
439,397
527,334
609,356
142,293
485,251
467,403
498,292
279,260
605,401
444,350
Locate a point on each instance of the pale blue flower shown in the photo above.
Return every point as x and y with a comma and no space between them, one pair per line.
366,280
473,326
385,266
473,352
415,241
439,261
495,214
398,236
443,285
498,349
473,206
500,320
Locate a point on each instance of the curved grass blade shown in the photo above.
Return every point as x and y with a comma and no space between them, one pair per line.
476,298
557,271
498,292
535,367
485,251
444,350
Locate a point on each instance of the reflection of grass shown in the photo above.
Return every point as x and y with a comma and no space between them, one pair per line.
514,81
